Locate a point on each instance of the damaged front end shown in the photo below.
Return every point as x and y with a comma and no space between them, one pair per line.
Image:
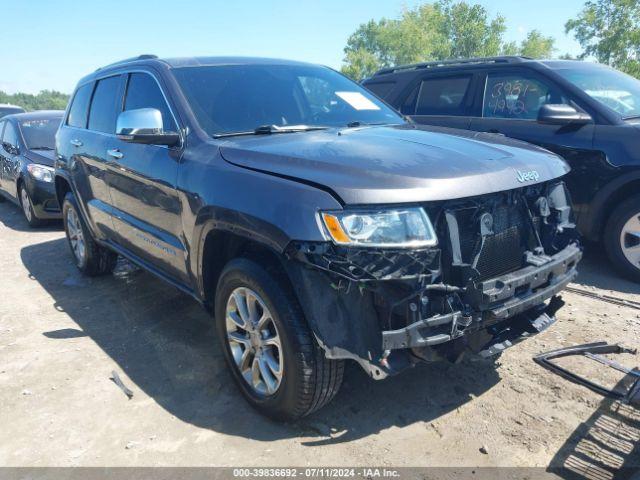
492,280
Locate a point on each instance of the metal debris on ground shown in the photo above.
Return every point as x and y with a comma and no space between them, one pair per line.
605,298
629,393
116,379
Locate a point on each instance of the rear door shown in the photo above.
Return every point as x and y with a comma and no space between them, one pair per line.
147,212
83,142
441,99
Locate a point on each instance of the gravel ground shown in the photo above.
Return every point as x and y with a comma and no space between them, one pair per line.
62,335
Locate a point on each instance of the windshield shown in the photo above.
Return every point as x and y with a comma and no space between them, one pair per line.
612,88
240,98
40,134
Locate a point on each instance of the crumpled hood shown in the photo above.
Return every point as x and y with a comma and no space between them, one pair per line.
396,164
43,157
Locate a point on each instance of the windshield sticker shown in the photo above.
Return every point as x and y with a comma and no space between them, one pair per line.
357,100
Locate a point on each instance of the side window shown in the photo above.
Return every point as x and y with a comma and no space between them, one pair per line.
104,105
381,89
10,135
517,96
80,107
443,96
408,107
144,92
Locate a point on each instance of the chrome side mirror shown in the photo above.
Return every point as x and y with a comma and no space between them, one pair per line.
144,125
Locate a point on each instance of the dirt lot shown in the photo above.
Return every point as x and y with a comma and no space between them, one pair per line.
62,335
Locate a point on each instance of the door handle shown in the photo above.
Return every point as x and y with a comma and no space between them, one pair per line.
75,143
497,132
115,153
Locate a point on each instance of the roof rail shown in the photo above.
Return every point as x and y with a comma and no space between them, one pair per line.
145,56
456,61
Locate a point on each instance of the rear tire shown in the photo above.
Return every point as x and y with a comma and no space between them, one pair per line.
622,238
91,259
27,207
308,380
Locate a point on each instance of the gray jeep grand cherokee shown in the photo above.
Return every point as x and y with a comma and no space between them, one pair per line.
314,221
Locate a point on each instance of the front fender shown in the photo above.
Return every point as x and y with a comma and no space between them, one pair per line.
598,210
264,209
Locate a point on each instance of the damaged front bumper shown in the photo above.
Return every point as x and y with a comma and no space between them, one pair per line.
497,299
390,308
351,319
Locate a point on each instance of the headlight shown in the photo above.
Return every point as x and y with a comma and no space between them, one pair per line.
401,227
41,172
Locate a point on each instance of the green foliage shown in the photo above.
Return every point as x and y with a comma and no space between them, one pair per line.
537,45
45,100
434,31
609,30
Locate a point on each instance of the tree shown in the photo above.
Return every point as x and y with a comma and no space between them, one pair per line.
45,100
609,30
434,31
537,45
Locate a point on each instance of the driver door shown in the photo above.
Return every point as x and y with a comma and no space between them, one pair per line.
9,159
510,106
147,214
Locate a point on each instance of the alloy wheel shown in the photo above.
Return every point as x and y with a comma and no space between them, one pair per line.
254,341
630,240
76,236
26,203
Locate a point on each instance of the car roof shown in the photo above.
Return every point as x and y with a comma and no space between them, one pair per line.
35,115
181,62
470,64
219,61
8,105
571,63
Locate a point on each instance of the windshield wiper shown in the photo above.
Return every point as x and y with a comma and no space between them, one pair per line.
270,129
358,123
41,148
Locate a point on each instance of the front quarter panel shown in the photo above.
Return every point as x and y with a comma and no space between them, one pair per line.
264,208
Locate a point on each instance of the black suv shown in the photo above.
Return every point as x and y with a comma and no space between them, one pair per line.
312,219
585,112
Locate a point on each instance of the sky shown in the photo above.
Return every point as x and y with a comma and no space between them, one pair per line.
51,44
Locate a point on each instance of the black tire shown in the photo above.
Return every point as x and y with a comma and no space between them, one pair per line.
309,380
614,243
27,207
96,260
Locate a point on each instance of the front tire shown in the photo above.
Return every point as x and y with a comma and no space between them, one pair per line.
268,346
27,207
91,259
622,238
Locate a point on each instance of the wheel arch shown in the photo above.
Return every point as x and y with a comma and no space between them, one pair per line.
62,186
19,183
220,241
605,201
